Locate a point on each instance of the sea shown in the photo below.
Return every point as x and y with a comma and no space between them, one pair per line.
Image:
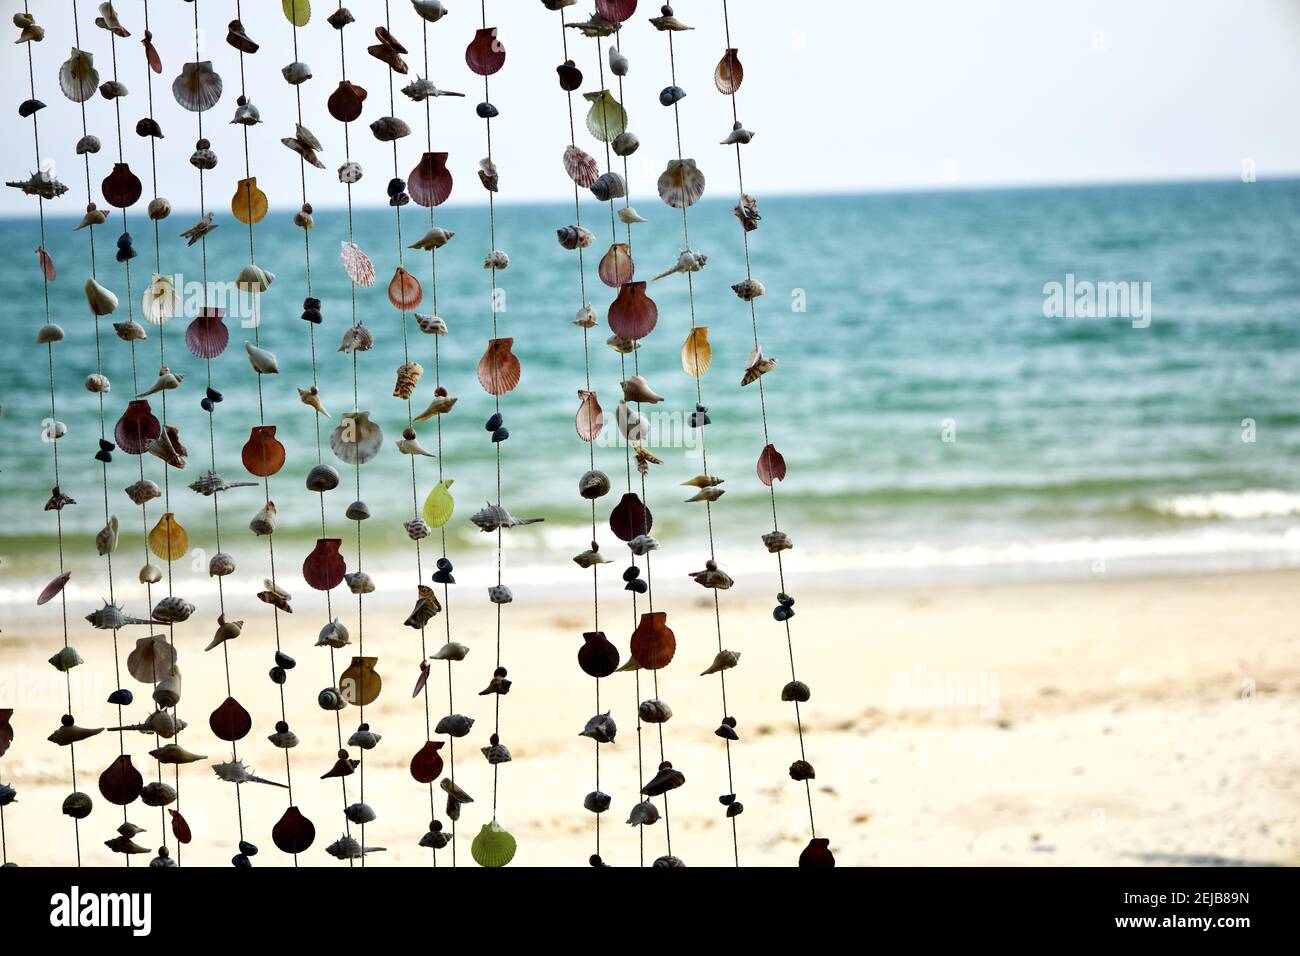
970,384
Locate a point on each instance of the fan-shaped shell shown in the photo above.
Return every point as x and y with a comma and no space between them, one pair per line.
151,660
430,181
590,419
485,53
168,540
771,466
198,88
324,568
597,657
681,184
230,721
616,266
630,518
297,12
439,505
426,765
78,77
653,642
361,683
121,783
616,11
263,455
137,427
493,846
580,166
498,369
404,290
207,336
606,120
293,833
346,102
697,354
357,265
729,73
161,300
356,439
633,314
121,187
249,203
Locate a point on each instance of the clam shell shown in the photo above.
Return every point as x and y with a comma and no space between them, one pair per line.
616,266
681,184
198,88
606,119
653,642
590,419
151,660
580,166
498,369
78,78
697,354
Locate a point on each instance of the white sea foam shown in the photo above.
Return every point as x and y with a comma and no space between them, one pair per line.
1232,505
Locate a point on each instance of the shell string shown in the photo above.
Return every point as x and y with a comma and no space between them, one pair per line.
704,454
762,405
54,445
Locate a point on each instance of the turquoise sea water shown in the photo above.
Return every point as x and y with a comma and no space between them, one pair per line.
1079,443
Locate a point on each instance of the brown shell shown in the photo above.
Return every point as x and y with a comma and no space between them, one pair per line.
362,680
597,657
151,55
697,354
590,419
653,642
230,722
47,264
817,854
430,181
180,829
137,427
570,76
633,314
6,731
729,73
121,783
324,567
263,454
498,369
293,833
630,518
426,765
616,11
152,659
771,466
54,587
207,336
248,204
121,187
616,266
345,103
404,291
485,54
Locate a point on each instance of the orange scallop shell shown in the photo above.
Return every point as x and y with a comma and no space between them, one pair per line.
498,369
729,73
616,266
633,314
263,454
653,642
404,291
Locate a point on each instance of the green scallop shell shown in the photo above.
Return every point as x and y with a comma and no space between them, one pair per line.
297,12
439,505
493,846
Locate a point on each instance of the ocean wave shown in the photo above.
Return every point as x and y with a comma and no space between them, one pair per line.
1231,505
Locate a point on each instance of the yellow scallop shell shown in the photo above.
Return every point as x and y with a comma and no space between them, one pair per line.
168,539
493,846
297,12
361,683
249,203
607,120
697,354
439,505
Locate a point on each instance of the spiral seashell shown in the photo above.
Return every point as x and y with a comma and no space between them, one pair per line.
408,376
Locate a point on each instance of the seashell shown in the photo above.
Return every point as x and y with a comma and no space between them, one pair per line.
246,114
357,511
431,10
168,540
161,300
667,23
389,129
120,783
220,565
253,278
347,848
451,651
52,589
107,20
496,259
212,483
167,692
350,173
802,770
493,846
606,119
100,299
630,518
748,290
654,711
430,181
777,541
226,631
50,333
426,765
485,54
203,157
729,73
653,642
285,739
426,606
616,267
332,699
297,12
669,862
296,73
582,169
172,610
207,336
609,186
334,634
293,832
263,522
498,369
235,771
416,529
622,345
322,478
586,318
500,594
263,455
152,659
494,517
589,419
66,659
198,88
687,261
665,780
739,136
359,582
43,184
98,383
360,813
570,76
230,721
643,814
324,568
633,314
575,237
626,143
197,232
77,805
356,440
163,723
311,397
345,103
637,389
107,538
249,204
357,265
47,265
707,493
671,95
58,500
712,577
771,467
496,752
422,89
404,290
593,484
435,238
388,50
69,733
78,78
159,208
630,423
455,725
440,405
357,338
723,660
618,63
124,844
589,558
303,219
681,184
697,354
817,854
597,657
263,361
130,331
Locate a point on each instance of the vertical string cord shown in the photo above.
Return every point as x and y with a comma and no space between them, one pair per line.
762,405
54,445
704,453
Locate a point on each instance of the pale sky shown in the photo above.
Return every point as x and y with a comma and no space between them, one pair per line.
844,97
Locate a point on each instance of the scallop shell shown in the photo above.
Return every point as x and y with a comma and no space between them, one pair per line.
590,419
493,846
361,683
616,11
485,55
357,265
207,336
653,642
633,314
78,77
230,721
582,169
606,119
324,568
121,783
426,765
136,428
345,103
616,266
152,660
293,832
356,440
630,518
161,300
198,88
771,466
263,455
729,73
597,657
429,183
168,540
297,12
439,505
697,354
498,369
249,204
357,338
404,291
681,184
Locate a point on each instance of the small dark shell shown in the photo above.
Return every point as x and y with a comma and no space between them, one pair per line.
148,127
345,103
121,783
121,187
137,427
324,567
485,54
633,314
570,76
430,181
230,721
263,455
426,765
597,657
180,829
207,336
293,833
817,854
630,518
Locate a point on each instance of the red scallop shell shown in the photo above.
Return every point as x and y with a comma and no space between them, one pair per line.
616,267
597,657
324,567
230,722
136,427
616,10
630,518
404,291
498,369
180,829
207,336
430,181
294,833
263,454
771,466
817,854
485,54
121,187
121,783
426,765
653,642
633,314
345,103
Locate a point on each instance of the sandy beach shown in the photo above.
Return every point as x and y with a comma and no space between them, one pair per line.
1108,721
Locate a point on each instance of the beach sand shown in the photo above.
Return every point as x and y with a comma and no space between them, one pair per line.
1109,721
